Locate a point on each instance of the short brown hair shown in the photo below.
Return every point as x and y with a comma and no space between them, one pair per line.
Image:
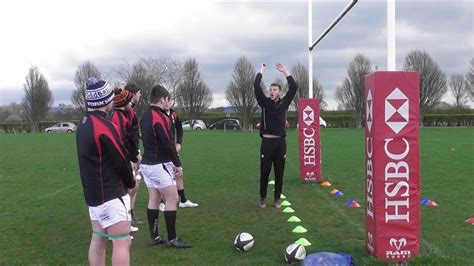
276,85
132,87
158,92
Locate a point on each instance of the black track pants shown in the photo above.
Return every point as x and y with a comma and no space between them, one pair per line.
272,151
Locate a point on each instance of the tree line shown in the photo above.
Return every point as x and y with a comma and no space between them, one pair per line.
193,97
434,84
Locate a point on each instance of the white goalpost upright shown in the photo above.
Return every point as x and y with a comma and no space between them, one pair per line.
309,139
312,44
310,51
391,52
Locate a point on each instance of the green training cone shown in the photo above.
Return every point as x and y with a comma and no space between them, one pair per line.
303,241
299,229
285,203
288,210
272,182
294,219
282,196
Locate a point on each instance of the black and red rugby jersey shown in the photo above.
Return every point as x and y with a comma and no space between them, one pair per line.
103,162
121,120
177,127
135,134
157,138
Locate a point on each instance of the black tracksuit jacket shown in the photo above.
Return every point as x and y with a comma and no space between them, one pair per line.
274,112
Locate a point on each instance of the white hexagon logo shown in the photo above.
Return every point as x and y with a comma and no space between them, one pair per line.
308,115
396,110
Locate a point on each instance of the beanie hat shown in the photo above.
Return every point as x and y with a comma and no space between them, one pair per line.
122,97
98,93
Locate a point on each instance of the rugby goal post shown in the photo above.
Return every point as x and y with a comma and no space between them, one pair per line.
308,109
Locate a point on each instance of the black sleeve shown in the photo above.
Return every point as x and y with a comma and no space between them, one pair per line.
167,145
119,159
179,129
293,87
133,154
135,133
258,89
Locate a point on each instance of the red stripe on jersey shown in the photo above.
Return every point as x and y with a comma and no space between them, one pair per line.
118,126
100,128
160,119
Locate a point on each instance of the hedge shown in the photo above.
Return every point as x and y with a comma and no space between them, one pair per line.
333,119
22,127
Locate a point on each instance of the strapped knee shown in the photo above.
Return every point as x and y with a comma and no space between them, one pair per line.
109,237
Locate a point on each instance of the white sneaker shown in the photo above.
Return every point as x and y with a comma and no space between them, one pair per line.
133,228
161,207
188,204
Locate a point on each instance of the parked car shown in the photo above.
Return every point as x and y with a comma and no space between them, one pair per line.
287,125
228,123
322,123
63,127
196,125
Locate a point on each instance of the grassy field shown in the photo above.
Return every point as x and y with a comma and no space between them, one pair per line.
44,218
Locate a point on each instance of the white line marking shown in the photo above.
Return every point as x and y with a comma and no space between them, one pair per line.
56,192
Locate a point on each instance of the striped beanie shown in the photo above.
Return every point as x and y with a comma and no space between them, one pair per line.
122,97
98,93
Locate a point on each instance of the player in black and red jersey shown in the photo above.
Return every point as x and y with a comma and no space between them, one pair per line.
106,175
160,165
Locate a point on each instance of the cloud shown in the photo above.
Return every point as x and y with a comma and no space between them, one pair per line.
57,36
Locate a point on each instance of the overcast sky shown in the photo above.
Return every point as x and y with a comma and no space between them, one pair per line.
57,36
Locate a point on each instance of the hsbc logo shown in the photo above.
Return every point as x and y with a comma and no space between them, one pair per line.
368,111
308,115
396,110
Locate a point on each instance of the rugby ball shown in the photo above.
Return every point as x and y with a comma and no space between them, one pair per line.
295,253
243,241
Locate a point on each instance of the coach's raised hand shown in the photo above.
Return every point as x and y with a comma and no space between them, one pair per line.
262,68
282,69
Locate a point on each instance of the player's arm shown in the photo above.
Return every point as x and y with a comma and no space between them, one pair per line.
120,160
258,89
179,130
293,87
135,132
132,147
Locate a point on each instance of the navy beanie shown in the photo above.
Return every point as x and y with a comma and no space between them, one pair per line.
99,93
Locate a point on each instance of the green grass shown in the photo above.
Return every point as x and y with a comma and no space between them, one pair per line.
44,218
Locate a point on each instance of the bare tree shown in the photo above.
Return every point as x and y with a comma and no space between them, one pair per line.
85,71
240,93
351,93
150,71
192,95
300,74
139,74
457,84
12,112
38,97
432,79
470,80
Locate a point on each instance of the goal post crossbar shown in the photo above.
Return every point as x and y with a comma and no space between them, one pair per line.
310,38
336,20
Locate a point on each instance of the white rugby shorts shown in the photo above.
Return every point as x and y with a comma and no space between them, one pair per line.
158,175
111,212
